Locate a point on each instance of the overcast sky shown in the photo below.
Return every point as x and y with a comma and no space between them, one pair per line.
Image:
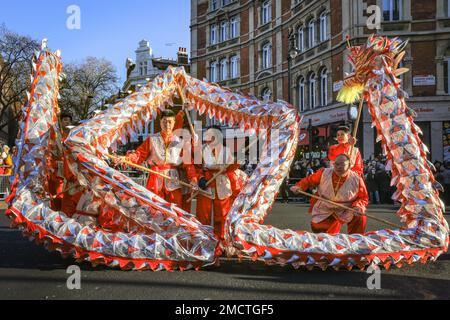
110,29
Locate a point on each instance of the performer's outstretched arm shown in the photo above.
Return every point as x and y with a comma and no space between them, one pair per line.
310,181
358,166
141,154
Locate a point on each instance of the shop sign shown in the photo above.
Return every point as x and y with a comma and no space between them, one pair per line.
315,155
338,85
429,80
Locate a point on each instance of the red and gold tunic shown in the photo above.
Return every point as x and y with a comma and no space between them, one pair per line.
349,190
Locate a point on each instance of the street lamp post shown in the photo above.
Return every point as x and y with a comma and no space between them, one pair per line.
310,133
293,52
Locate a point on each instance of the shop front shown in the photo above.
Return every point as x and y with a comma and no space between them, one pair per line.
433,118
318,130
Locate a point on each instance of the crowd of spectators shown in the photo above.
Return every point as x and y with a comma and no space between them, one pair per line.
442,175
6,163
378,181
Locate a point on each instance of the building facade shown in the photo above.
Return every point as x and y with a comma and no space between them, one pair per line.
244,45
144,68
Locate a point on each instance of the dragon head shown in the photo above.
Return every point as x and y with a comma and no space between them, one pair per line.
376,54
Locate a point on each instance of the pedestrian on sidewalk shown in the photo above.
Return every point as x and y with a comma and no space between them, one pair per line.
446,180
372,186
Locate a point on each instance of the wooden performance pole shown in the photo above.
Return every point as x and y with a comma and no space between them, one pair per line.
355,128
183,101
351,209
221,171
131,164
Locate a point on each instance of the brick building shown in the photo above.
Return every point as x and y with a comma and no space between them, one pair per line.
244,45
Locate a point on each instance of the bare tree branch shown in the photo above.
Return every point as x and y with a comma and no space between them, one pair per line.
86,85
16,52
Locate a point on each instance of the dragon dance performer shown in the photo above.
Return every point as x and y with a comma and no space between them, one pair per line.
186,192
344,146
224,188
163,151
338,184
56,179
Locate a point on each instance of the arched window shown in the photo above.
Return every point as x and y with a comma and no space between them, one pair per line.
213,5
323,26
300,39
213,72
446,73
266,94
312,91
323,87
301,93
224,31
266,12
233,28
223,69
311,34
267,56
213,34
234,67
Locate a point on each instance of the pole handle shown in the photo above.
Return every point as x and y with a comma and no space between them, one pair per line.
351,209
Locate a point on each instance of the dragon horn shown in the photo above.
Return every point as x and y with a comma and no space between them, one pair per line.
398,59
400,71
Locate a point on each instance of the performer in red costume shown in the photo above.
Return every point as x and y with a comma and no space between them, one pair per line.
338,184
344,146
223,189
56,163
163,151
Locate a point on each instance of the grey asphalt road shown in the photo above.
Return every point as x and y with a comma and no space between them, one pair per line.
28,271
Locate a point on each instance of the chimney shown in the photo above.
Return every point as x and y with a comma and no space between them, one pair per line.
182,55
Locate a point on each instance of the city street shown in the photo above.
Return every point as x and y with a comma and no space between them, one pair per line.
28,271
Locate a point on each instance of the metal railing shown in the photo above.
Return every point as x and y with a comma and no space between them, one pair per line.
4,184
138,177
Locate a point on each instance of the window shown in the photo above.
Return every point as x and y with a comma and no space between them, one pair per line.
266,94
447,2
224,31
213,72
446,73
323,87
312,91
213,39
213,5
233,28
300,39
301,93
323,27
143,68
223,69
311,34
267,56
392,10
234,67
266,12
226,2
